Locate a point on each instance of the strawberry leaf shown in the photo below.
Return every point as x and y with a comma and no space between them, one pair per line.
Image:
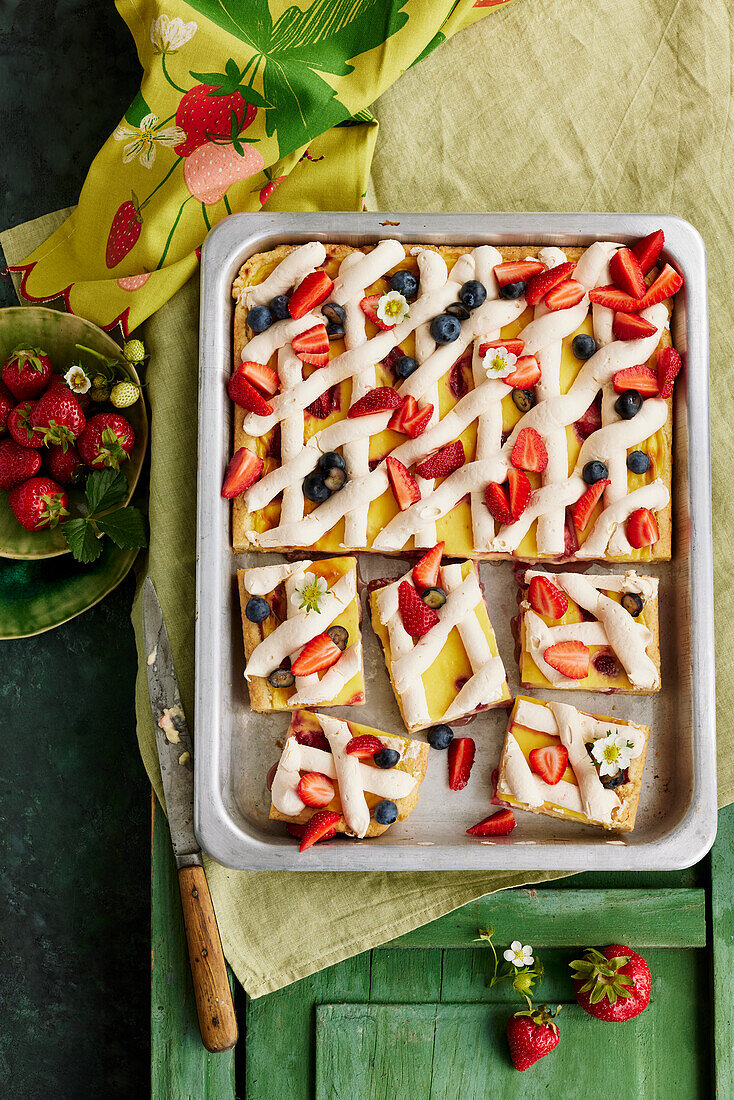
105,489
81,540
126,528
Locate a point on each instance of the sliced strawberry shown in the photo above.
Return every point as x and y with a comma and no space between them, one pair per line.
425,572
647,250
243,471
665,286
669,364
246,396
565,295
309,294
374,401
312,346
318,654
624,267
322,826
518,491
642,528
497,500
298,830
529,452
369,308
514,346
639,378
614,298
549,762
409,419
416,616
315,789
364,746
443,462
628,326
404,486
585,505
590,422
517,271
461,758
571,658
262,377
525,375
541,284
500,824
546,598
570,536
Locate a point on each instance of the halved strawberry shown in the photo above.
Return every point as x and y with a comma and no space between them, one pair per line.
518,492
461,758
368,306
642,528
571,658
647,250
315,789
517,271
322,826
246,396
380,399
417,617
546,598
639,378
529,452
614,298
364,746
590,422
243,471
665,286
514,346
312,346
541,284
525,375
628,326
297,831
409,419
497,500
318,654
565,295
585,505
570,536
549,762
309,294
669,364
404,486
624,267
500,824
262,377
425,572
443,462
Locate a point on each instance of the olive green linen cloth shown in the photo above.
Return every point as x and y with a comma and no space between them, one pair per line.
548,105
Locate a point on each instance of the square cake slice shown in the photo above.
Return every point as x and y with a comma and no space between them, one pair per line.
439,645
301,628
604,761
590,632
319,770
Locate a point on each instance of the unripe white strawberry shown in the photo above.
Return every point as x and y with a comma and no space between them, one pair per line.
134,351
124,394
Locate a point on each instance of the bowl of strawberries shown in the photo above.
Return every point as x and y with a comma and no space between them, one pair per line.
70,404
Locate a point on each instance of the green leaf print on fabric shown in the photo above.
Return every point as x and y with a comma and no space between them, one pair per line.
137,111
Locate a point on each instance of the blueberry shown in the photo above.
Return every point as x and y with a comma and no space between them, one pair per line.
594,471
257,609
473,294
279,307
259,318
334,313
335,479
405,366
339,636
434,597
334,331
512,291
281,678
405,282
611,782
440,737
445,328
385,812
458,310
628,404
633,603
583,346
331,459
386,758
314,488
524,400
638,462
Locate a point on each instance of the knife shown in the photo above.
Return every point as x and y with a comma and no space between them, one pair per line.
217,1021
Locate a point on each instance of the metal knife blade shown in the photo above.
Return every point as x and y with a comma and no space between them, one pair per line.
173,739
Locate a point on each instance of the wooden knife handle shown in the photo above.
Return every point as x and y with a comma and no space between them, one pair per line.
217,1021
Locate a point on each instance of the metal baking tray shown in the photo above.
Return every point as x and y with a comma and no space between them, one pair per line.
235,748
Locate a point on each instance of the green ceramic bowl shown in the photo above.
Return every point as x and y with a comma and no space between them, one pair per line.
58,334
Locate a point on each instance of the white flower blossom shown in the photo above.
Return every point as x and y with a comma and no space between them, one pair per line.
77,380
392,308
612,752
518,955
498,362
169,35
309,593
142,140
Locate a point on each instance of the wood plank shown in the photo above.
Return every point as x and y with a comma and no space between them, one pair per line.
407,976
560,918
181,1067
722,924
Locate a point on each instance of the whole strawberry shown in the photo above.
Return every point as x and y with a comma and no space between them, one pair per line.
38,503
612,984
59,416
207,110
7,401
27,372
17,464
531,1034
124,232
107,440
20,427
62,465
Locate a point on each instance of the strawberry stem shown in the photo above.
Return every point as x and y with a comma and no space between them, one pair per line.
170,171
205,216
168,78
159,265
226,204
